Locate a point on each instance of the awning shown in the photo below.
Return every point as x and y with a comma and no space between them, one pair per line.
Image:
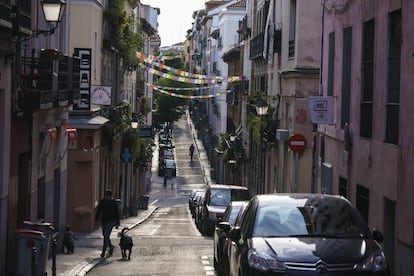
94,122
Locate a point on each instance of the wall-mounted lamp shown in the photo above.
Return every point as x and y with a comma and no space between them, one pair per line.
52,10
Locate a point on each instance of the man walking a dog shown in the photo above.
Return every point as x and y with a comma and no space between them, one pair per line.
108,214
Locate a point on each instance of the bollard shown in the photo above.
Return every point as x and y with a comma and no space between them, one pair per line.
34,260
54,245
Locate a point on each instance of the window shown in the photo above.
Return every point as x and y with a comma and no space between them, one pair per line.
346,75
331,63
367,79
362,201
394,61
343,187
292,28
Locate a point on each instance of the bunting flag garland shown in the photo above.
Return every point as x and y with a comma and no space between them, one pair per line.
190,97
159,57
186,79
152,62
182,73
196,88
172,77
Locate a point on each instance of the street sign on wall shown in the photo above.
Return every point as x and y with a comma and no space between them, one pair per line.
85,78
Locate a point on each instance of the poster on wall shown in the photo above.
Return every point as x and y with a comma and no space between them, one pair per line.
85,79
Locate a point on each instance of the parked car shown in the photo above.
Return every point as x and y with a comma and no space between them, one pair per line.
305,234
217,198
167,166
225,269
197,209
221,231
191,199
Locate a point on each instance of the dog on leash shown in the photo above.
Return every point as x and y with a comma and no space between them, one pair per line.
126,244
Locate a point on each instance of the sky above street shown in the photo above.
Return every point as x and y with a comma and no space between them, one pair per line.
175,18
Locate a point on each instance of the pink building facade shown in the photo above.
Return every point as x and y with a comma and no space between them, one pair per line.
367,154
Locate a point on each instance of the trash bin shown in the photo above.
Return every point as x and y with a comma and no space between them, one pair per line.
27,240
48,230
144,202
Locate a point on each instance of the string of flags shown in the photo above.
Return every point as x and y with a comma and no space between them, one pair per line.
186,79
195,88
190,97
152,65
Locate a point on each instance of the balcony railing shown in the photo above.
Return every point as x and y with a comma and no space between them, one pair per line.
257,46
38,84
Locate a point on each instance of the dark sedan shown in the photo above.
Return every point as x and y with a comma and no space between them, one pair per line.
217,198
191,199
221,231
305,234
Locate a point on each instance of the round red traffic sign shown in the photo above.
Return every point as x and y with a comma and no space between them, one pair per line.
297,143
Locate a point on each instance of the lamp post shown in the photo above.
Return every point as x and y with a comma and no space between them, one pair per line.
261,110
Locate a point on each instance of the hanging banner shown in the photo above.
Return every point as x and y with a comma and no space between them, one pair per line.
321,111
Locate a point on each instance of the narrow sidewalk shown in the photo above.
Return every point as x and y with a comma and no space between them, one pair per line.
88,248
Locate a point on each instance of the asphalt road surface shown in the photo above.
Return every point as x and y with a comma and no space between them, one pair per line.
168,243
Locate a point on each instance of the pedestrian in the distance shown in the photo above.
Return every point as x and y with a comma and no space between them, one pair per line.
108,214
191,152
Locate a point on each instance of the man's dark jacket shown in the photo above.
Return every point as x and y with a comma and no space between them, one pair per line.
107,211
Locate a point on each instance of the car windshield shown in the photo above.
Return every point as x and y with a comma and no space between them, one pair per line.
220,197
324,219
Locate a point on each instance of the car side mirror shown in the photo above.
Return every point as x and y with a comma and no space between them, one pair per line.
234,234
225,226
378,236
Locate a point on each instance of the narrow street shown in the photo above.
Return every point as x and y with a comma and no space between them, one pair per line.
168,243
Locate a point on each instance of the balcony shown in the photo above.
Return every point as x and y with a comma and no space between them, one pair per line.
257,46
42,87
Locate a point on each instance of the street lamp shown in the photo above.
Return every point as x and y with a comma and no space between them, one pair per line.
52,11
261,110
134,124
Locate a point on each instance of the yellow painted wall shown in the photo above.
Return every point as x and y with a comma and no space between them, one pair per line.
86,32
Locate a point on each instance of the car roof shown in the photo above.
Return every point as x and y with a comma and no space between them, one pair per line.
227,186
238,202
297,196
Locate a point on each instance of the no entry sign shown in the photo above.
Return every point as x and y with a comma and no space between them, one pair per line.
297,143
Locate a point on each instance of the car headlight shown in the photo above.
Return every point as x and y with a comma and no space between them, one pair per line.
264,262
375,262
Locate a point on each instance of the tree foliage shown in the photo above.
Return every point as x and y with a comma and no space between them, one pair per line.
169,108
126,37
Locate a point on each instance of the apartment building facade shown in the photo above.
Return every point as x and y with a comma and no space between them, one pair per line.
365,155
